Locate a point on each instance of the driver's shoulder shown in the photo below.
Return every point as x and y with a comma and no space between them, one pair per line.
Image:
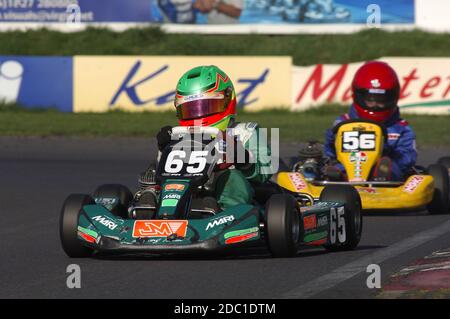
341,118
401,125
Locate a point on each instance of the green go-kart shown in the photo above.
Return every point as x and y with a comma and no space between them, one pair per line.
179,220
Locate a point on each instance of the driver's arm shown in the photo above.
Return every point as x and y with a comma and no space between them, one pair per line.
404,153
260,154
330,139
329,149
164,137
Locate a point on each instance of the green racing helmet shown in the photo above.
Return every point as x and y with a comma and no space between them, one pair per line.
205,96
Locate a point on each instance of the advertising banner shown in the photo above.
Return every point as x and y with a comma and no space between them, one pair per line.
207,11
425,84
62,11
283,11
37,82
148,83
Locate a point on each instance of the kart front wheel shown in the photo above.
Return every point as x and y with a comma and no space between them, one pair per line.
121,192
353,216
68,225
440,202
282,225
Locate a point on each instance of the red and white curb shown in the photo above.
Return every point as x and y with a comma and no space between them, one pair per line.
428,277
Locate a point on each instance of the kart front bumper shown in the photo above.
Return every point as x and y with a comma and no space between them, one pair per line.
111,246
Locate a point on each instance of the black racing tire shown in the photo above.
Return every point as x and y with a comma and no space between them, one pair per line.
353,213
445,161
68,225
282,227
119,191
440,202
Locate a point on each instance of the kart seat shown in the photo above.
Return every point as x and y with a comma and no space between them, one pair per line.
263,191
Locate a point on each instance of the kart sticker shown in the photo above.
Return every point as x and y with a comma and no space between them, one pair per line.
240,232
174,187
87,237
319,205
87,234
172,196
319,242
297,181
310,222
88,231
322,221
369,190
220,221
413,184
393,136
305,209
106,201
238,239
169,202
105,221
338,233
353,141
159,228
358,157
315,237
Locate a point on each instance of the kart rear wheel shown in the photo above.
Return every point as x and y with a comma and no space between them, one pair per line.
440,202
353,216
282,225
68,225
445,161
118,191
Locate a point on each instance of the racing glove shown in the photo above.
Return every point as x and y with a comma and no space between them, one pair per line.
236,154
242,156
164,137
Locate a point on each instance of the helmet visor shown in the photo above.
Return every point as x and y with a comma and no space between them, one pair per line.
376,100
204,105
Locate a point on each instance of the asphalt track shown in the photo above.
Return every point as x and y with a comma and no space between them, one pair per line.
36,174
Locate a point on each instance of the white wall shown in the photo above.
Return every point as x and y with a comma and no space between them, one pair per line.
433,15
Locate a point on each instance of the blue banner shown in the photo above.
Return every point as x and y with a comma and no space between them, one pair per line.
75,10
207,11
37,82
283,11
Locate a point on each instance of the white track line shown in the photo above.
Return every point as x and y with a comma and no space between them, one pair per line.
354,268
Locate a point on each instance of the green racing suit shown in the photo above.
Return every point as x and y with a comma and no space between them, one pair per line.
233,186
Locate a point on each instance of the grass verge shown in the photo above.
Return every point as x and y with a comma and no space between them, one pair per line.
305,49
304,126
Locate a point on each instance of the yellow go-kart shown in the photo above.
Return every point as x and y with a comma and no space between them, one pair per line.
359,145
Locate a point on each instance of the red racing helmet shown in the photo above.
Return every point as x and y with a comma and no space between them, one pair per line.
376,90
